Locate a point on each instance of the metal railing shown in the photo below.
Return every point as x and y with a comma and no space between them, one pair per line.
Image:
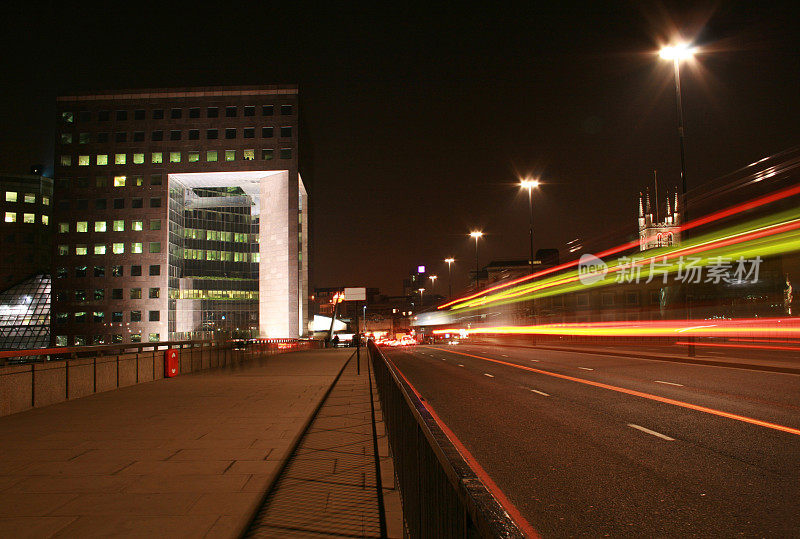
441,494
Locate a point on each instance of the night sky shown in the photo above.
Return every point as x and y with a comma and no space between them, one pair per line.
421,118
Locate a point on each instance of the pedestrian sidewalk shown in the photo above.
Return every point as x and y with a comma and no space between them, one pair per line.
334,485
184,457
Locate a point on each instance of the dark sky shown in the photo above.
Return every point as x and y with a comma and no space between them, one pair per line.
422,117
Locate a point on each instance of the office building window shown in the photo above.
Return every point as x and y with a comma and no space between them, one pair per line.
11,217
66,138
121,136
212,134
138,136
119,159
103,116
286,110
84,116
81,250
136,293
80,295
100,204
155,337
63,250
267,154
119,203
212,112
157,158
230,134
137,225
119,181
30,198
250,110
157,135
116,316
83,160
136,271
99,249
136,337
194,134
230,155
82,226
99,226
45,220
83,138
136,247
194,112
194,157
66,160
122,115
174,157
29,218
117,271
175,134
138,114
102,138
138,158
176,114
101,159
267,110
286,153
230,112
80,340
267,132
154,293
98,316
154,316
99,271
155,202
286,131
137,203
155,246
248,155
63,228
158,114
116,293
136,316
99,293
11,196
249,132
118,248
155,224
67,117
80,272
155,270
80,317
211,155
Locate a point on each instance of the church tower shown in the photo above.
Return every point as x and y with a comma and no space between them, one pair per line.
653,231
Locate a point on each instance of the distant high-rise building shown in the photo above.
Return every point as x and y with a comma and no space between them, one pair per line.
654,232
180,214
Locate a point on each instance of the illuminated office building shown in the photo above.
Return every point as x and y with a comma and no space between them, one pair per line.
180,214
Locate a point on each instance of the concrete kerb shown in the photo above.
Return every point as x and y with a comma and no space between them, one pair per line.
284,461
655,357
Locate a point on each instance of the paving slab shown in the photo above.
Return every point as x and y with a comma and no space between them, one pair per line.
183,457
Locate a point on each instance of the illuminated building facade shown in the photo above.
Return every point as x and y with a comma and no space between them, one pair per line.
653,232
180,214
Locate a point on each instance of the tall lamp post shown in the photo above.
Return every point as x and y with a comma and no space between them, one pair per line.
676,53
421,301
433,281
530,185
477,234
449,277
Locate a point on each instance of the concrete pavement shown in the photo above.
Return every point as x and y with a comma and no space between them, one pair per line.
183,457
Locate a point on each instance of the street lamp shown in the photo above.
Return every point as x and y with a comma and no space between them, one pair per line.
530,185
433,282
421,302
676,53
449,277
476,234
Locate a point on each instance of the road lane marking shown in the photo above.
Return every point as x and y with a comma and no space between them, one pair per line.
654,433
503,355
535,360
649,396
586,368
472,462
540,392
460,365
489,375
668,383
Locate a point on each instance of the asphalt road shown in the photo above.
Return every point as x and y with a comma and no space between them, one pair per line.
586,445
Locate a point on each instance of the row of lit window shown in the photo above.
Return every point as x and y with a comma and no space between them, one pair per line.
30,218
222,256
100,317
231,133
99,294
218,294
215,235
117,225
83,340
102,248
267,154
104,181
100,271
28,198
174,113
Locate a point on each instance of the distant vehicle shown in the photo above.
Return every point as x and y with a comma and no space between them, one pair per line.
238,344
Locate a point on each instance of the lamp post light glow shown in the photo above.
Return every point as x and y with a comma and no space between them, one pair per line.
421,301
530,185
449,277
433,281
477,234
677,53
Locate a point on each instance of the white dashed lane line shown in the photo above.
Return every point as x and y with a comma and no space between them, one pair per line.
668,383
586,368
489,375
460,365
651,432
542,393
503,355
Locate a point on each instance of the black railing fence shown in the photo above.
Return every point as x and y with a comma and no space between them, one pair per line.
441,494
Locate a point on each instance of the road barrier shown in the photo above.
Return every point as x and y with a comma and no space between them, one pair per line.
60,374
442,495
